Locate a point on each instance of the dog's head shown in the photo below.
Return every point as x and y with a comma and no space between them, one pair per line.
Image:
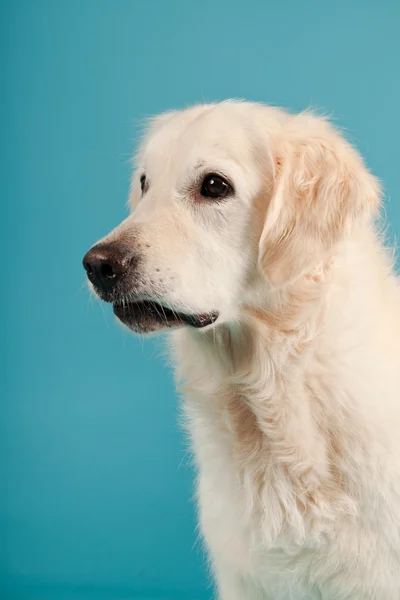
226,200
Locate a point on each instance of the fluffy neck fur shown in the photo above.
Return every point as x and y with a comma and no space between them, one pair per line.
273,395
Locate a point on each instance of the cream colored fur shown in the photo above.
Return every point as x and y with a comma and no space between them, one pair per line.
292,397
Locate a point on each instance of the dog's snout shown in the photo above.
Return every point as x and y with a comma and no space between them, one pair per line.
105,265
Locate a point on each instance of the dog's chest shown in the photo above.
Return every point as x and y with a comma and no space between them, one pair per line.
230,522
230,518
222,508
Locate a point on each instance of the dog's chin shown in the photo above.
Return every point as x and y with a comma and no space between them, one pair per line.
148,317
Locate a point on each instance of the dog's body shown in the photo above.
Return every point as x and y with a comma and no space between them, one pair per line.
292,387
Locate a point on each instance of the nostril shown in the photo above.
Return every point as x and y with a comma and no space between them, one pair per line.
107,271
88,268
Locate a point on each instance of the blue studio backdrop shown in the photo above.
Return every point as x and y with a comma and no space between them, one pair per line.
96,481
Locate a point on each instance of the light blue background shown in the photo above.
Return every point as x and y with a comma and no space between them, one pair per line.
96,482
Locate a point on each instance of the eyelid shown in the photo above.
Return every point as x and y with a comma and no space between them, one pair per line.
218,174
202,172
205,170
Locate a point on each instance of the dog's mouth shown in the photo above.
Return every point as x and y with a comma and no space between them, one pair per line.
146,316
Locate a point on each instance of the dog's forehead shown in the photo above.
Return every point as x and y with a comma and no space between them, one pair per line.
197,135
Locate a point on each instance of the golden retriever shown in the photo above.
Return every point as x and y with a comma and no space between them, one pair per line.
252,241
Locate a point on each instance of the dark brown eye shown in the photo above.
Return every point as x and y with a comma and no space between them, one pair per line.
143,182
215,186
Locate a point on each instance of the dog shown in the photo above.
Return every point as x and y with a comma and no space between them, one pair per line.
254,241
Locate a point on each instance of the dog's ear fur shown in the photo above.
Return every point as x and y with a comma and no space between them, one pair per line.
321,190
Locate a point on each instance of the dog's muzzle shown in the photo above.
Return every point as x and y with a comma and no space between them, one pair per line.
113,271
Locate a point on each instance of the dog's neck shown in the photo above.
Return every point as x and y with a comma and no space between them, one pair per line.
269,342
246,392
265,386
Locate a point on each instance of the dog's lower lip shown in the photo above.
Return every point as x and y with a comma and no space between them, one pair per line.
150,315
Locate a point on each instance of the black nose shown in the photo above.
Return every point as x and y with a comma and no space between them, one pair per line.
105,265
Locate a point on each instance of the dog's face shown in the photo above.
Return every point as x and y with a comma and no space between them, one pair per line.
226,200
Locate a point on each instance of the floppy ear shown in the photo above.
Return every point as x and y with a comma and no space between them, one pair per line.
321,190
